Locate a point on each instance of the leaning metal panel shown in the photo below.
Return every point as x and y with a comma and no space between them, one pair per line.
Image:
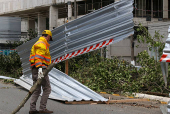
95,30
64,87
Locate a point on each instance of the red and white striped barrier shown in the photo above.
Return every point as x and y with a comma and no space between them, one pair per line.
82,51
165,57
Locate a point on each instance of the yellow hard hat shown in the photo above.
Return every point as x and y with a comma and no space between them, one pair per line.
48,32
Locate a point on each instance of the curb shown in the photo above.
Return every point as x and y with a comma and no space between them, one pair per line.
163,100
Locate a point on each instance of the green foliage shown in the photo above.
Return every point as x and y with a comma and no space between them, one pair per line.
150,73
8,81
14,44
155,41
101,74
114,75
32,34
10,65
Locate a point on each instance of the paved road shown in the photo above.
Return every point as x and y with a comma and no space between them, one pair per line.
12,95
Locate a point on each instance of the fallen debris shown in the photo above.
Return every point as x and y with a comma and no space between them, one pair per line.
143,105
156,93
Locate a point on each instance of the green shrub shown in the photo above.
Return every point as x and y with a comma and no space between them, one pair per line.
10,65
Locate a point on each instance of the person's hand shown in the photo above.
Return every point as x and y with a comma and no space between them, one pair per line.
40,73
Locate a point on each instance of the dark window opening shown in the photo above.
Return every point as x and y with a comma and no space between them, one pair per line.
81,8
157,8
148,8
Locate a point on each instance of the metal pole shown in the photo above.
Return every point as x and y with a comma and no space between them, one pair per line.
92,5
145,8
151,8
142,8
75,10
158,9
132,50
66,66
85,8
69,18
101,3
69,10
135,8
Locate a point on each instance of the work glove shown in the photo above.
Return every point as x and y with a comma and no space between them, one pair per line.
40,73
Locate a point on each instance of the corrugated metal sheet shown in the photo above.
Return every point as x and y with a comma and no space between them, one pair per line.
64,87
102,27
10,29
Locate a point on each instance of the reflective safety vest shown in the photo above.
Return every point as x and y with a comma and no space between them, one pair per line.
40,54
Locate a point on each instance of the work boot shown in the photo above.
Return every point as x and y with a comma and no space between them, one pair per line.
33,112
45,111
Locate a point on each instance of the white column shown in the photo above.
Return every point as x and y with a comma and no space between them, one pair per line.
53,17
165,8
69,10
41,24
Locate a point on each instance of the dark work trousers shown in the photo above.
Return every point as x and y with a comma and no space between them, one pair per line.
46,91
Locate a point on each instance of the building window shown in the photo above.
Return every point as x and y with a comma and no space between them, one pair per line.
92,5
145,8
158,8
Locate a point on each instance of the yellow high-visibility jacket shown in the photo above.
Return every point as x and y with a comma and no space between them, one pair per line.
40,54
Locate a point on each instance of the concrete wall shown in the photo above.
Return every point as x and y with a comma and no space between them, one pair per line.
162,27
143,21
123,48
62,21
165,8
9,6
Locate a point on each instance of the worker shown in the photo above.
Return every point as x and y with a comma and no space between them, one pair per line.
39,59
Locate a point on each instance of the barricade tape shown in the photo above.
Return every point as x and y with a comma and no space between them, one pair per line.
82,51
